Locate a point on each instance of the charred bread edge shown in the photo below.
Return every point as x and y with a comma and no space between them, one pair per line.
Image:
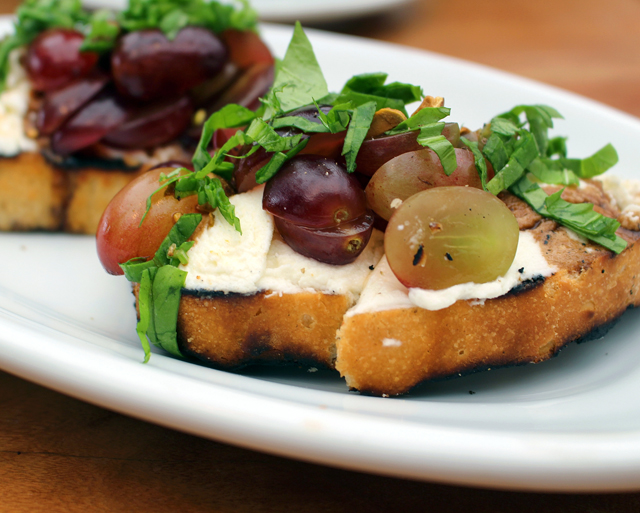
574,314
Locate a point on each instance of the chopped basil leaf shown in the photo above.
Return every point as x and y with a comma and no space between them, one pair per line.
381,102
229,116
372,84
337,119
144,309
298,77
443,148
304,124
356,133
594,165
425,116
277,161
579,217
181,231
552,172
264,135
101,33
478,157
166,286
525,151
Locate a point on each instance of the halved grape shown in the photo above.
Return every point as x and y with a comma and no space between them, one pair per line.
247,89
54,59
451,235
60,105
120,237
415,171
246,48
152,125
376,152
314,191
90,124
146,65
337,245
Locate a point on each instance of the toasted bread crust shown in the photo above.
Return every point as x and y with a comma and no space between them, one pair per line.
36,195
234,330
591,288
33,194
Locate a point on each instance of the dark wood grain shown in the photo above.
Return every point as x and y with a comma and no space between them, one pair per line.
60,454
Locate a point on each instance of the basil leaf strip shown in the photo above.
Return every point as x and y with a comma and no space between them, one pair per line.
356,133
425,116
166,286
525,151
580,217
478,157
181,231
229,116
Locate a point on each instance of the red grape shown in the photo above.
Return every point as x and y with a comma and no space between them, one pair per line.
336,245
146,65
246,48
90,124
60,105
54,59
415,171
120,236
152,125
314,191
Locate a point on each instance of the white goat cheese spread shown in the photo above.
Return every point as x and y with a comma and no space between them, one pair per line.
223,260
14,103
383,291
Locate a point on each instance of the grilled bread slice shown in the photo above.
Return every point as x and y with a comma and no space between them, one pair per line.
36,194
387,352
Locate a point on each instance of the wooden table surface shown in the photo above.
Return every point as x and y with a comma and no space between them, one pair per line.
60,454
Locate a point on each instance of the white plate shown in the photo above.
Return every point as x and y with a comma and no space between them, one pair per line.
569,424
305,11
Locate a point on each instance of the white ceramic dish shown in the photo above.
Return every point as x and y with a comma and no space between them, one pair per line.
568,424
305,11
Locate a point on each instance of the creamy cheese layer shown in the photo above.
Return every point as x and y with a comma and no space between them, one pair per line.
223,260
14,103
383,291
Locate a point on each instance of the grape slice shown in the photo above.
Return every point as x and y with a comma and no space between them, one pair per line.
415,171
314,191
60,105
54,59
90,124
337,245
146,65
447,236
247,89
376,152
246,48
152,125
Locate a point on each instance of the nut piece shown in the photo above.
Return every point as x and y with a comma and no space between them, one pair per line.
385,119
431,101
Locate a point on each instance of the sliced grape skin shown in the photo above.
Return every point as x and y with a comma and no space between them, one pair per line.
60,105
90,124
247,89
314,191
120,237
415,171
147,66
447,236
152,125
246,48
379,150
337,245
54,59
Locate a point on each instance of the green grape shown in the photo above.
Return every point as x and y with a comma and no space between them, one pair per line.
446,236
